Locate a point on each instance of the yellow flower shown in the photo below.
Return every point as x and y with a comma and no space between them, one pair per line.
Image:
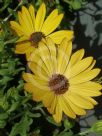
62,80
33,28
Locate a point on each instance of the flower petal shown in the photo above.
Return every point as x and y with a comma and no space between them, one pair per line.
78,67
66,108
58,113
48,98
27,20
17,28
39,70
76,57
80,101
58,36
92,100
92,65
23,25
37,93
23,47
33,79
40,17
49,21
32,14
77,110
53,52
84,91
22,39
51,109
51,26
46,57
64,53
84,76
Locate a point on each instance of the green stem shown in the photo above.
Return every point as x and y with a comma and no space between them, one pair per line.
16,116
84,133
69,2
11,41
11,13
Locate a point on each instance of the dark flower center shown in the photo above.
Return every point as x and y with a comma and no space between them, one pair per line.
35,38
59,84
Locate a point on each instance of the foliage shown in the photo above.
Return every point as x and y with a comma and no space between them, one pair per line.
18,114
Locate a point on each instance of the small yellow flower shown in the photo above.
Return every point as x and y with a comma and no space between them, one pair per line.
62,80
34,28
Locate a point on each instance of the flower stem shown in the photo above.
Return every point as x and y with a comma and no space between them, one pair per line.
84,133
5,19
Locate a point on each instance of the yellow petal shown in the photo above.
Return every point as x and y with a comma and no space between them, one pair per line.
84,76
51,26
34,57
46,57
27,77
77,110
92,100
22,39
66,108
40,17
53,52
80,101
58,113
58,36
78,67
48,98
29,52
27,20
76,57
39,62
51,109
32,14
23,24
93,86
33,79
39,70
36,92
84,91
92,65
87,89
17,28
64,53
49,20
22,48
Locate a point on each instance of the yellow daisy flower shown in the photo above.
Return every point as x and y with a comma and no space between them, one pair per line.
62,80
33,28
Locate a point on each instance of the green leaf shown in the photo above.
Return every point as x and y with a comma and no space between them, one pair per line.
66,134
22,127
1,46
33,115
3,116
2,123
97,127
68,124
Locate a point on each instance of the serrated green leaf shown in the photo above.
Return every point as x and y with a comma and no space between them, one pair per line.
22,127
